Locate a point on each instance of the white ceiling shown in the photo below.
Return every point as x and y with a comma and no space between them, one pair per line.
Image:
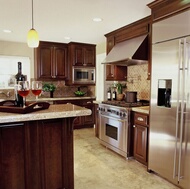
56,19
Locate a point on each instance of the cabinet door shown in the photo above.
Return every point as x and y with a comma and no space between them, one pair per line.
13,162
140,143
60,62
89,56
89,120
78,56
110,72
51,61
51,159
118,73
83,55
44,62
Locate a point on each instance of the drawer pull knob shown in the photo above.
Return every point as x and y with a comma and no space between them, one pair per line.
134,126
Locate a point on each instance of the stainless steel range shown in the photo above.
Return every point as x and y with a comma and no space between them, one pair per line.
115,129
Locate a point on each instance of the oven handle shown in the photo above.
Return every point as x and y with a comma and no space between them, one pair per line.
109,117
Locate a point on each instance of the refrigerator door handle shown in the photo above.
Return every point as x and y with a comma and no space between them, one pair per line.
180,108
176,140
181,140
178,111
183,104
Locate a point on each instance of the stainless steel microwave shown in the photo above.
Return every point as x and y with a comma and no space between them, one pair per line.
84,75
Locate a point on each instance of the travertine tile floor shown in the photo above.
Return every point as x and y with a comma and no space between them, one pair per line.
99,168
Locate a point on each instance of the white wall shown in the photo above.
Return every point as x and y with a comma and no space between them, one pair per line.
9,68
100,77
8,48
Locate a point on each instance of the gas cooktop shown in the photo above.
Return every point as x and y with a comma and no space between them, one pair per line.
126,104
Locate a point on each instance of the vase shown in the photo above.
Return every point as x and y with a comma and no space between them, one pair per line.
120,96
51,94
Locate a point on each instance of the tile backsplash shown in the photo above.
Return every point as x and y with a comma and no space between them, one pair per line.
137,81
61,91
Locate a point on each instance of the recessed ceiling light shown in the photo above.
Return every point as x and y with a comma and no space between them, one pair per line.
7,31
67,38
97,19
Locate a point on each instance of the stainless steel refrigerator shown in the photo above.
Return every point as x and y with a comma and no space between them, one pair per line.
169,136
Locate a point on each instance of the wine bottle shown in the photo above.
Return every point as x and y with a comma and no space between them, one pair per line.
109,94
114,95
19,77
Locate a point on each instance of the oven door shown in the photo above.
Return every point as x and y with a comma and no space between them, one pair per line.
113,133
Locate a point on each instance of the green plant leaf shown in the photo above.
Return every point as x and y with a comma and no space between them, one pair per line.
49,87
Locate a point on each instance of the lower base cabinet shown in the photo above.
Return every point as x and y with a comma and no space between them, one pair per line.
37,155
141,137
83,121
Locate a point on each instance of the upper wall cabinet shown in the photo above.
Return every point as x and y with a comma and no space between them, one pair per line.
165,8
135,29
81,54
51,61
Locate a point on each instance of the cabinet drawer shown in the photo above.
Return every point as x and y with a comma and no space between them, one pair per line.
141,119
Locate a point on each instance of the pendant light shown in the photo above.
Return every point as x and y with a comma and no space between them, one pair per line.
32,37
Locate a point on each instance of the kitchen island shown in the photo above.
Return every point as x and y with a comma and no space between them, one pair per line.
36,149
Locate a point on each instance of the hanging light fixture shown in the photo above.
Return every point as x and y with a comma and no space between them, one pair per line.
32,37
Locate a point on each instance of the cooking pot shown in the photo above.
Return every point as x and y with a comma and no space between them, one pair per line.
131,96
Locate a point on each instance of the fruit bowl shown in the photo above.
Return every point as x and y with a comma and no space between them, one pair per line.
79,93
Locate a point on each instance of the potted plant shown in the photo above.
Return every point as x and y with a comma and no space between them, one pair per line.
49,87
119,88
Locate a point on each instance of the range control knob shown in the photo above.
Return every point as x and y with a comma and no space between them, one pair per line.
124,114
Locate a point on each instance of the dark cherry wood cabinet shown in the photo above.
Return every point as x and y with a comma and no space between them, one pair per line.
82,121
116,73
51,61
37,154
141,137
113,72
89,121
12,152
165,8
82,54
138,28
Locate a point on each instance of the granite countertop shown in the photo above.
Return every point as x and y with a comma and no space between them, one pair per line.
54,111
67,98
97,102
141,109
54,99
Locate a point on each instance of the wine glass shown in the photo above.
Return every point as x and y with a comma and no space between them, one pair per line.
23,90
36,88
